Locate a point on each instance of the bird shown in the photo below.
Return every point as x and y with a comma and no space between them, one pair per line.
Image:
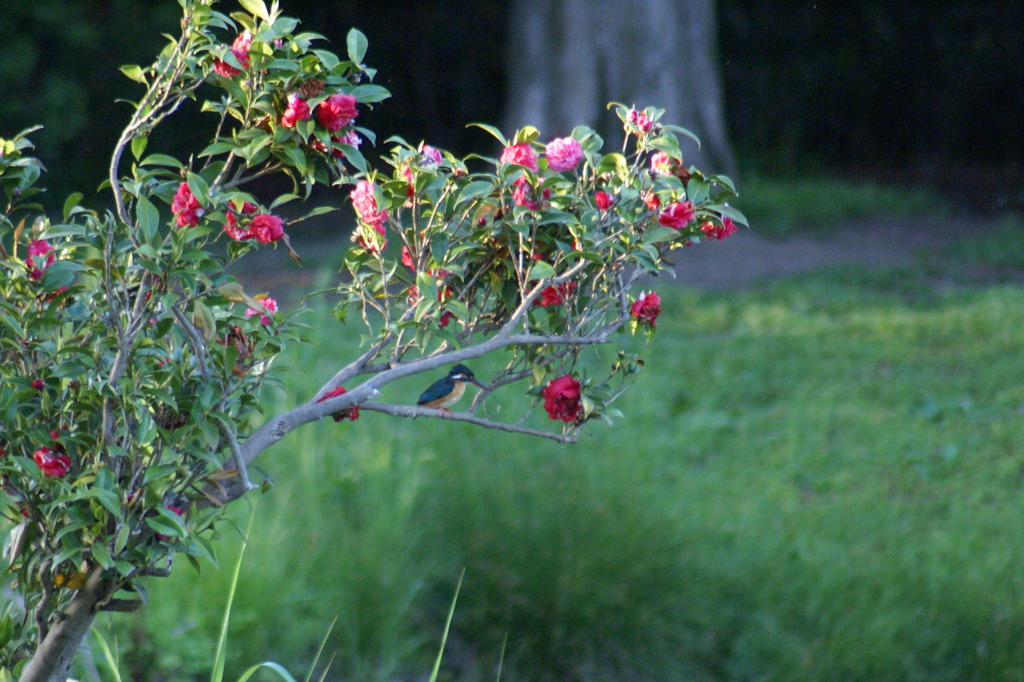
447,391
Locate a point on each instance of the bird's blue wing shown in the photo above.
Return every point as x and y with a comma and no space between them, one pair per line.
438,389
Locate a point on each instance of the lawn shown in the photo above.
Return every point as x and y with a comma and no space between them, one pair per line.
818,480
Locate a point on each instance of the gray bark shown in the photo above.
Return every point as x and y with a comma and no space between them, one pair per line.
52,661
569,58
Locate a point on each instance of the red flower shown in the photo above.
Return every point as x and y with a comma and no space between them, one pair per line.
266,228
677,215
38,384
185,206
652,201
296,111
647,308
407,259
562,399
336,112
52,464
719,232
352,414
235,232
556,295
522,154
446,317
603,200
240,48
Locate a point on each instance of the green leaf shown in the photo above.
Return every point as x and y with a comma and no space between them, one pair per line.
492,130
367,94
161,160
256,8
356,43
660,234
283,65
354,156
60,274
139,146
134,72
70,203
148,218
541,270
724,210
199,188
477,188
101,553
217,148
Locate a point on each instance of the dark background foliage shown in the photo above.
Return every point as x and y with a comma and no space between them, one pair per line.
912,92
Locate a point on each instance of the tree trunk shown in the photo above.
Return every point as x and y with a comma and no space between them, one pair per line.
569,58
52,660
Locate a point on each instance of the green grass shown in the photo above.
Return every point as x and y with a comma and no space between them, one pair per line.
820,480
779,206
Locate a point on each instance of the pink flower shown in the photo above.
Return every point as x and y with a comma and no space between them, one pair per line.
336,112
235,232
185,207
647,308
351,138
718,232
51,463
37,248
640,120
266,228
677,215
522,194
562,399
563,153
662,163
240,48
364,201
351,414
556,295
603,200
521,154
268,303
431,157
296,111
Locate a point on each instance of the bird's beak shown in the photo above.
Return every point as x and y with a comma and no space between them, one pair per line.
476,383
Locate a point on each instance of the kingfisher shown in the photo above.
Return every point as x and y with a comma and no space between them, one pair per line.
447,391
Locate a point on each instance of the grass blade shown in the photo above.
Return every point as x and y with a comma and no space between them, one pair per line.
108,655
447,625
218,662
269,665
323,642
501,661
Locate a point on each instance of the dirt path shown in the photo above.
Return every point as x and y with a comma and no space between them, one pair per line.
747,258
741,261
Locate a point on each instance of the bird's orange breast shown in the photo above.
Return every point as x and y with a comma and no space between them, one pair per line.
450,399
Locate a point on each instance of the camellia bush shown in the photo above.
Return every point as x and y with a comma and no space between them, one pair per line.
131,362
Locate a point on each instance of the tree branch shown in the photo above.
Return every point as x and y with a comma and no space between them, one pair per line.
413,411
